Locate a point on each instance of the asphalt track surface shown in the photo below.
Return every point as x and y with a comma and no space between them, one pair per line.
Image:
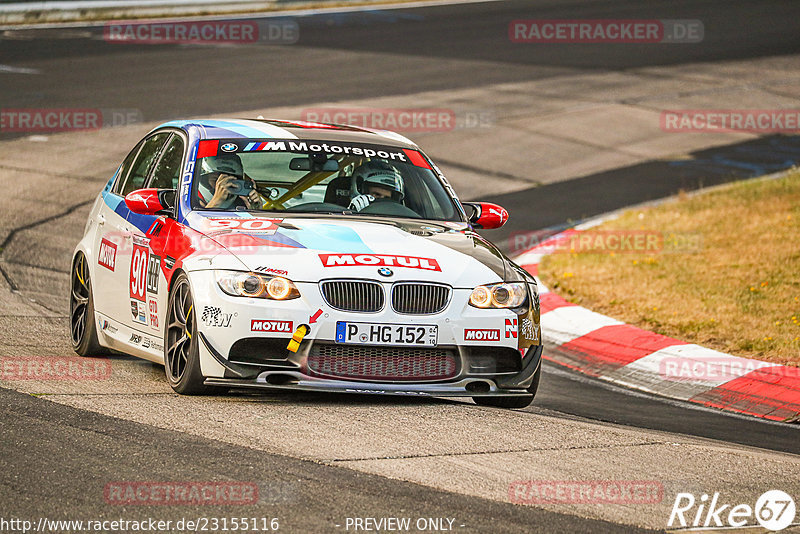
425,47
411,51
42,461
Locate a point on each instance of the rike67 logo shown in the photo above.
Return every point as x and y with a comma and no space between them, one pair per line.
774,510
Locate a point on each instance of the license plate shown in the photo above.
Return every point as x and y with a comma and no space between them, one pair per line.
386,334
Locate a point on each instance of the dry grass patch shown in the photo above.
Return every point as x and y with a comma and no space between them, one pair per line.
738,291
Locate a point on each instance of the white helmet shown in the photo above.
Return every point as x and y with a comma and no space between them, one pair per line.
225,163
379,174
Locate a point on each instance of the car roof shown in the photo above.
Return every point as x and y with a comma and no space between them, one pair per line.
285,129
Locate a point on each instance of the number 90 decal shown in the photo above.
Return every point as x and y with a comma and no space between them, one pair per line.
260,224
139,272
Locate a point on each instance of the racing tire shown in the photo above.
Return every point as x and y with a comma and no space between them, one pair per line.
83,330
181,343
522,401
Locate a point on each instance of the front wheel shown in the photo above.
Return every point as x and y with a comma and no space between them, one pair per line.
522,401
182,352
83,331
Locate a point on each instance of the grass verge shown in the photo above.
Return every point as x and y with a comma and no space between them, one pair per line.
720,269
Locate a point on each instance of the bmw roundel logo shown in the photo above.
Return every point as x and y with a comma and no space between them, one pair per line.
229,147
385,271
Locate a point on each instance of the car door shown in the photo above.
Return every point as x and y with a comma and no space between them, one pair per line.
109,242
147,286
130,305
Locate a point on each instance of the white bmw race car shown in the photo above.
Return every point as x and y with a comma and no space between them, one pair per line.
278,254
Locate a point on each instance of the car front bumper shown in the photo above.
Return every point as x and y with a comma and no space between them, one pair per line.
293,375
502,366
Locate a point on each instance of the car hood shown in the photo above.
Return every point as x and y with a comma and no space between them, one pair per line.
308,249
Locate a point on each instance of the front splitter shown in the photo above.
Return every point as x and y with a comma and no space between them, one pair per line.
301,383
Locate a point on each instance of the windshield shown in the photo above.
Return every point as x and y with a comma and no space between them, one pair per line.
318,177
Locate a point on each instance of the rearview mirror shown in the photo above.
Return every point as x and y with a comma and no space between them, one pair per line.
151,201
487,215
314,163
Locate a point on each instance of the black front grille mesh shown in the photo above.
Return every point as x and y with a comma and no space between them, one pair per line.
419,299
353,295
408,298
381,363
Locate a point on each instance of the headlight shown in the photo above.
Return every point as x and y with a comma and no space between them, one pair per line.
241,284
501,295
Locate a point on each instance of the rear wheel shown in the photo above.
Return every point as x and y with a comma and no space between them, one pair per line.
83,330
522,401
182,352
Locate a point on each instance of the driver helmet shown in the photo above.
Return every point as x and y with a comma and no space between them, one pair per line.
216,165
379,174
225,164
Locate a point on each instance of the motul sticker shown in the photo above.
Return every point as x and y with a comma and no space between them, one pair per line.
108,254
478,334
511,328
367,260
257,325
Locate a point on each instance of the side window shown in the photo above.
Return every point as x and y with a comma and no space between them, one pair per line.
168,169
141,166
124,168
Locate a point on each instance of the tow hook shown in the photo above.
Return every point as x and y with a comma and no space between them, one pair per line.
302,331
